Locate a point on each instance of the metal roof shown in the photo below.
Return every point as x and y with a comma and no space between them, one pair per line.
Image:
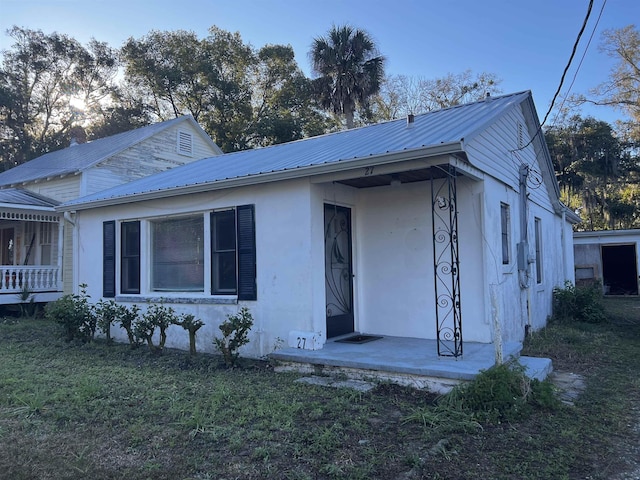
21,198
428,131
79,157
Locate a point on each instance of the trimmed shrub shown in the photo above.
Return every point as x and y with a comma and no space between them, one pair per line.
191,325
128,319
235,331
156,316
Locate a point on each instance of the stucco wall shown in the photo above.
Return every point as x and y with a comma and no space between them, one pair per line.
516,299
284,273
395,273
392,258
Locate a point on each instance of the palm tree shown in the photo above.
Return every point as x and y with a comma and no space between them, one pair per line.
349,70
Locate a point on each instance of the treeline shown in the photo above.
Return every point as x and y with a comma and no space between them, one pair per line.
53,88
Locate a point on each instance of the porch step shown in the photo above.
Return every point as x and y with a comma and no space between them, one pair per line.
536,368
358,385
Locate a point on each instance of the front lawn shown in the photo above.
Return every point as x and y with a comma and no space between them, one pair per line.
95,411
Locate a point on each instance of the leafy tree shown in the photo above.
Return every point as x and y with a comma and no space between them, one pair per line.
40,77
282,99
176,73
401,95
622,89
124,112
596,173
243,98
349,70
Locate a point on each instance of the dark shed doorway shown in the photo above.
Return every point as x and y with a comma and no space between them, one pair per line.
619,269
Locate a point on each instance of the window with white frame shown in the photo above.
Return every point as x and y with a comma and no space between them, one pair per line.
505,228
171,250
177,254
538,239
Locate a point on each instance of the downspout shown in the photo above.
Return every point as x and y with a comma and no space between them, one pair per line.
564,244
67,217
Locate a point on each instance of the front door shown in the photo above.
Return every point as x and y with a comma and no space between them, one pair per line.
338,270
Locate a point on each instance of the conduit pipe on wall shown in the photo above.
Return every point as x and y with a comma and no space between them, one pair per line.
523,247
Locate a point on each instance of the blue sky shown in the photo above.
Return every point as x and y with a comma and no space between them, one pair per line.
525,43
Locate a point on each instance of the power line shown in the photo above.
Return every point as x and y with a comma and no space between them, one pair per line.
564,74
584,54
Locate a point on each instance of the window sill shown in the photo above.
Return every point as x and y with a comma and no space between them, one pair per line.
195,300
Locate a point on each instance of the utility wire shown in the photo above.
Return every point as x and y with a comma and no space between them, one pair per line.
564,74
584,54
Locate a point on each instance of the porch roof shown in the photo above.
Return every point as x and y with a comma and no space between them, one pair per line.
20,198
433,133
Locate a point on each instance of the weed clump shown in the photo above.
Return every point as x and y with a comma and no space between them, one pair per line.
581,304
500,394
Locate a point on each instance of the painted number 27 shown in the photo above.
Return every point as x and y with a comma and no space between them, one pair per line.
368,171
302,342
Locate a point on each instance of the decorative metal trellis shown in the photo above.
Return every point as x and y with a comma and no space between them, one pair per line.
446,261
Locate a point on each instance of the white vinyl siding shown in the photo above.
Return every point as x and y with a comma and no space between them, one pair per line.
60,189
504,136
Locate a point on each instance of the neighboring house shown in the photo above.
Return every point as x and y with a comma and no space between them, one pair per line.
36,242
446,225
608,257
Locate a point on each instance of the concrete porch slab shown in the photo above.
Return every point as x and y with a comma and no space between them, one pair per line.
535,367
407,361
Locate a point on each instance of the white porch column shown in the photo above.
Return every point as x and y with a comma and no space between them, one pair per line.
60,252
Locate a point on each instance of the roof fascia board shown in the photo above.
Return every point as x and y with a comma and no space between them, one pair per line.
607,233
465,167
312,170
570,215
540,147
15,206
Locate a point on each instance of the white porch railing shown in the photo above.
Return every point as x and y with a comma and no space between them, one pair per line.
37,278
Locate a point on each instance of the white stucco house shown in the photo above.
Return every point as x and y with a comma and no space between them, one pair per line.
444,226
608,257
36,241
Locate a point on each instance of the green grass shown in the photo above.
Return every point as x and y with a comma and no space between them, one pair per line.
109,412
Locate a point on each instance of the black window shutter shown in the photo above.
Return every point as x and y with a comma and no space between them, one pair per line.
246,226
109,259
